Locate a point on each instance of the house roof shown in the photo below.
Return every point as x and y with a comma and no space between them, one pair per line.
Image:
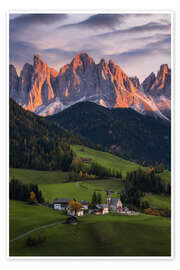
84,202
114,201
61,200
101,206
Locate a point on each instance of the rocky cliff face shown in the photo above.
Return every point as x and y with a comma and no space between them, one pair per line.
13,82
160,85
159,88
135,82
45,91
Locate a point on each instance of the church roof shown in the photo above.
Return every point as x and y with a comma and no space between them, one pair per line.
114,201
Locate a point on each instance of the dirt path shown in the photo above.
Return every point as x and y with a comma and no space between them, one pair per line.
34,230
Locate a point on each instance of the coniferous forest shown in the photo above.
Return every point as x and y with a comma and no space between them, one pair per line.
36,143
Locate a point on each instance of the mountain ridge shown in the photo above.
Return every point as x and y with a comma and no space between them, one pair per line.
45,91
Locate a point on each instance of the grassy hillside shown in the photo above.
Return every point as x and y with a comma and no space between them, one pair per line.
105,159
68,190
166,177
103,236
24,217
37,177
52,186
158,201
112,184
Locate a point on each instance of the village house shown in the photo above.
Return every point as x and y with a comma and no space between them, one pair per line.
85,204
61,204
86,160
101,209
78,213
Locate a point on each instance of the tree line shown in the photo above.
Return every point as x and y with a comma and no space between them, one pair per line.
139,182
81,171
24,192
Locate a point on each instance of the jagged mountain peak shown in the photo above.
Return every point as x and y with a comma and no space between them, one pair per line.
135,82
40,87
82,59
12,68
164,68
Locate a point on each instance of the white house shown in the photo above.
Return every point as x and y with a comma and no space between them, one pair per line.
102,209
60,204
71,212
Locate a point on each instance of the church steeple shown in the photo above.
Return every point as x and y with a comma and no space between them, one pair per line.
108,192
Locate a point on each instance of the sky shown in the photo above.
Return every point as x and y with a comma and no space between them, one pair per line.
138,42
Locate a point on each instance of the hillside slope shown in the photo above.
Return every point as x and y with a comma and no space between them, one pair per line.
124,131
36,143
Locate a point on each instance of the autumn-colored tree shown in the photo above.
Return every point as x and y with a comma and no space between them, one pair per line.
148,211
32,196
150,170
75,206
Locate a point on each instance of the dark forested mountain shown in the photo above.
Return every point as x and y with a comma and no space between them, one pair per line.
37,143
124,131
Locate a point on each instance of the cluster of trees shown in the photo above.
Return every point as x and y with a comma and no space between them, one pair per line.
96,198
157,212
103,172
24,192
158,168
35,240
139,182
81,171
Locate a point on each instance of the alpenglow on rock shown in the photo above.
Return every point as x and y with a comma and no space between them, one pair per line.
44,91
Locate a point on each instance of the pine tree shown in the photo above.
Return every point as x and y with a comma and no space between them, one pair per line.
94,198
99,199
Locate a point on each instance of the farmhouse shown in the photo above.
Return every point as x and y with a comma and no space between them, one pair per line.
85,204
61,204
86,160
101,209
78,213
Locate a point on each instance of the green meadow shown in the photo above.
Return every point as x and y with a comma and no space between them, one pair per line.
105,159
24,217
106,235
37,177
158,201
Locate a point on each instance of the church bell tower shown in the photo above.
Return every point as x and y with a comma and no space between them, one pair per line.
108,192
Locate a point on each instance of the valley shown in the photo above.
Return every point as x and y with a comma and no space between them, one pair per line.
90,135
54,184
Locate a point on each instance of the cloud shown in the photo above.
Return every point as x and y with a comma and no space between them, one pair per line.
34,19
19,25
99,21
151,26
22,51
136,42
162,46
